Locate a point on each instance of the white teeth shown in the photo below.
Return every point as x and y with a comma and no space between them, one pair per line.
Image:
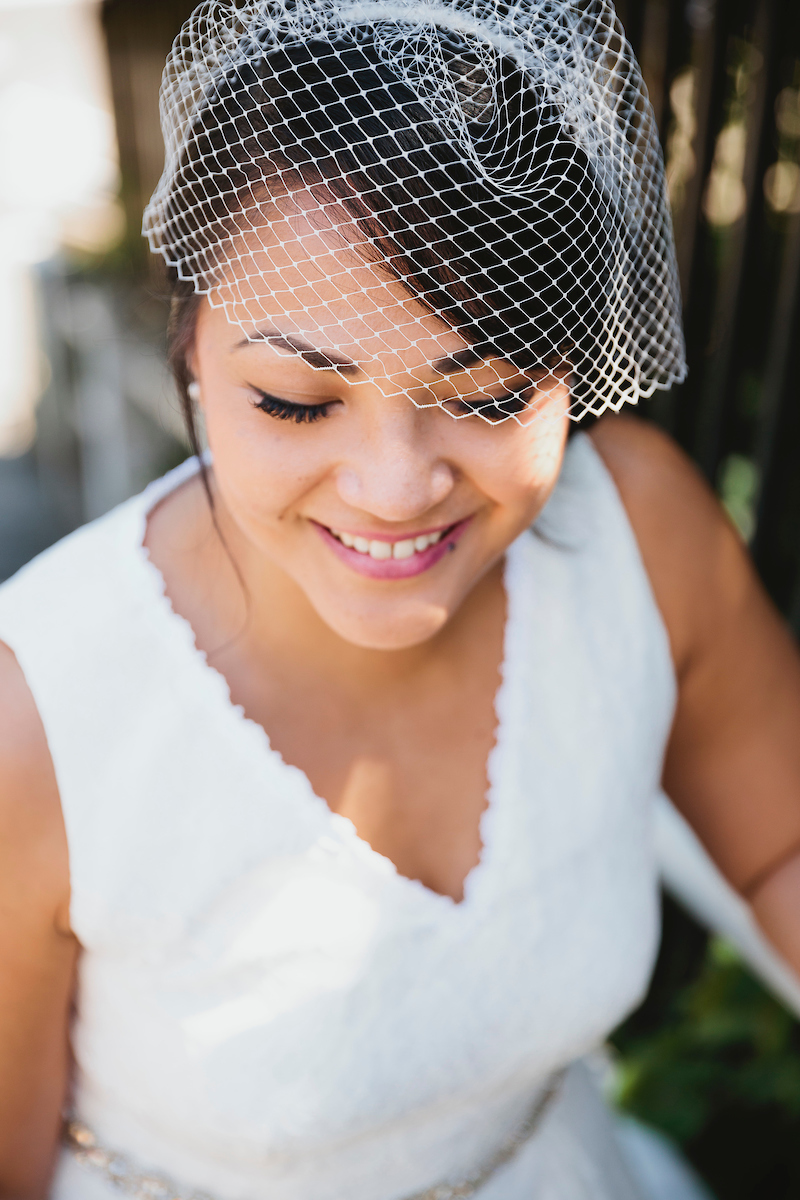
383,550
427,539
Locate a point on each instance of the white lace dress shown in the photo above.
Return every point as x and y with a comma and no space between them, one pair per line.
267,1009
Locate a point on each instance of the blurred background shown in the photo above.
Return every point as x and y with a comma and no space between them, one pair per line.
88,414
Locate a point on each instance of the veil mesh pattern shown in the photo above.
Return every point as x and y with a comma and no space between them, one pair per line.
358,177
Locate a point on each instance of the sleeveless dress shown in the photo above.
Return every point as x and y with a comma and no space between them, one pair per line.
267,1009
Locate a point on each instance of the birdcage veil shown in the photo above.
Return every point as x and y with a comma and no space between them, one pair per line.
481,167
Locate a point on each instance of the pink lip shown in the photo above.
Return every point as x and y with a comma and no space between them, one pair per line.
394,568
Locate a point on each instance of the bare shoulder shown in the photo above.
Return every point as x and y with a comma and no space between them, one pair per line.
34,862
694,558
37,950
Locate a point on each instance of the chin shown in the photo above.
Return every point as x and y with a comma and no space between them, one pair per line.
397,628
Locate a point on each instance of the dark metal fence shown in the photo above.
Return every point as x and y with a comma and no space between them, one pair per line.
724,78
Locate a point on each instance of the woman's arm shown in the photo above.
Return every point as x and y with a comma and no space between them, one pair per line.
733,761
37,951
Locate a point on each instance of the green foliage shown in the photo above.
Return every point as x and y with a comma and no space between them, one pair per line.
713,1060
738,486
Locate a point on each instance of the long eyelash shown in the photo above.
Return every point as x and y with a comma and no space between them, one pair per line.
284,410
306,414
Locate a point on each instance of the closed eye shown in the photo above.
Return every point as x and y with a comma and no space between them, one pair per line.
489,408
287,410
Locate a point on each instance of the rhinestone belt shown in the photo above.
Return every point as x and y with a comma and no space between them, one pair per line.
118,1170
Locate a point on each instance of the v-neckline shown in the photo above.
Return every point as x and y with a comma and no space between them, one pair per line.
343,829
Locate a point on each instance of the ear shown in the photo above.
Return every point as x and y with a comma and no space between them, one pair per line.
193,388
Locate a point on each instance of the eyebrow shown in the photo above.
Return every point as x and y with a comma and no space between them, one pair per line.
459,360
333,360
326,360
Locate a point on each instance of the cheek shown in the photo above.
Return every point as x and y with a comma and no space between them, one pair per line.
262,468
519,468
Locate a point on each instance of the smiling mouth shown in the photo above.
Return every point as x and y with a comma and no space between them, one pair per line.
393,559
401,550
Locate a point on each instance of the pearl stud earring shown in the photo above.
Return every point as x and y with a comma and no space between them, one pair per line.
193,392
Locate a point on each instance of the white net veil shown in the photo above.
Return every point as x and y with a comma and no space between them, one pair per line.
356,181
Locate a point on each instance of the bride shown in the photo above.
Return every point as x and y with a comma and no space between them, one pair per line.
328,765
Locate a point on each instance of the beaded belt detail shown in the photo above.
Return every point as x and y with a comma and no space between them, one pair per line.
117,1170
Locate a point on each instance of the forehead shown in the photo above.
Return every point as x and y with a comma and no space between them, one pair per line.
301,265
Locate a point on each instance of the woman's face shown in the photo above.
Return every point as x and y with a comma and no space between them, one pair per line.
384,514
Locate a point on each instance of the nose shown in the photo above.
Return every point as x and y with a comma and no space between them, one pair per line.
394,472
